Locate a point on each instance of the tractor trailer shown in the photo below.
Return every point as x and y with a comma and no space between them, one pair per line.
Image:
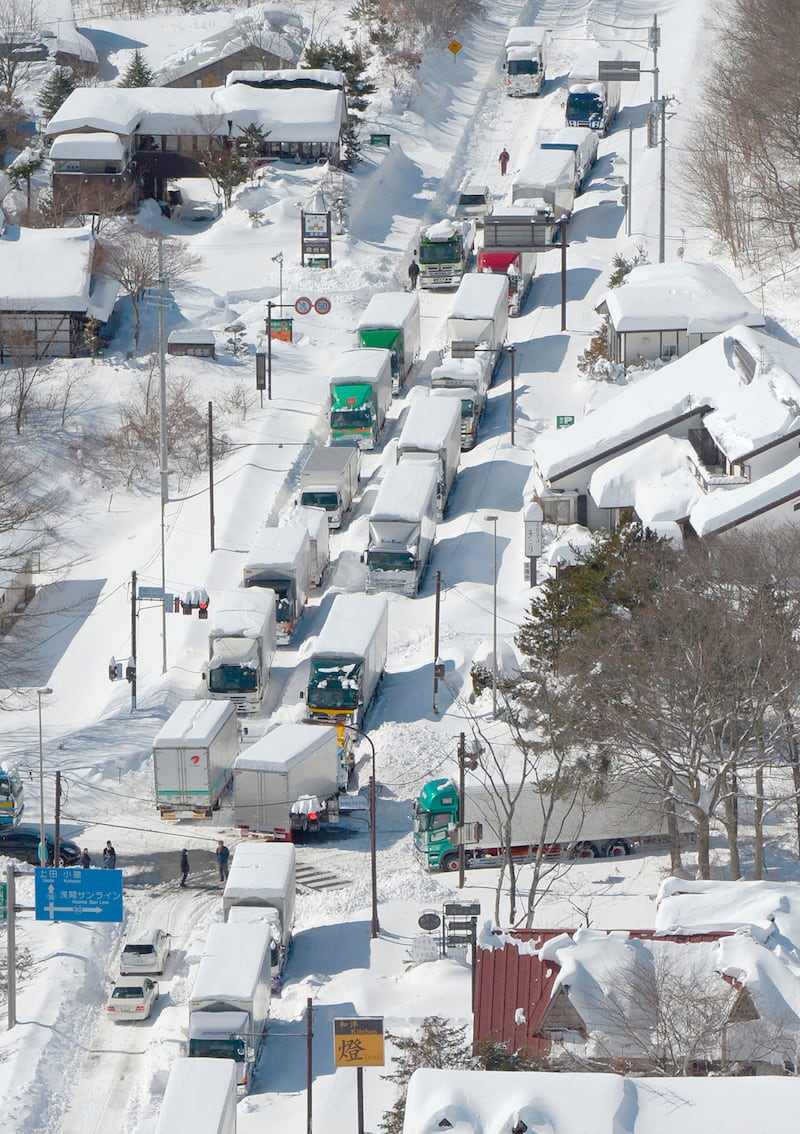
402,527
348,660
479,313
193,756
200,1098
315,522
445,250
241,647
526,61
279,561
261,886
432,430
545,184
391,322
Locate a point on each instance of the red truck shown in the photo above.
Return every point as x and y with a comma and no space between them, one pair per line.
518,267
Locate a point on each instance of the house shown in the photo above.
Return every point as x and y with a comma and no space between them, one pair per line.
16,587
51,33
151,135
50,287
192,342
663,311
678,445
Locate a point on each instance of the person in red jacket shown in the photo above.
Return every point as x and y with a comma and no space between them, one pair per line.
504,159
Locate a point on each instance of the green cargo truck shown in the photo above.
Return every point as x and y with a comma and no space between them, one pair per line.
391,322
361,393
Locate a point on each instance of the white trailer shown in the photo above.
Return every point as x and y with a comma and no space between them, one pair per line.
348,660
580,141
193,756
433,429
287,783
391,322
361,393
479,313
279,561
329,479
315,521
526,61
241,647
200,1098
261,883
230,1000
473,404
592,102
402,527
545,184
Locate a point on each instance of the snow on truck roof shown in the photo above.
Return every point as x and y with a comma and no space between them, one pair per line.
242,613
367,364
195,722
445,229
525,36
407,488
388,309
265,876
278,547
545,167
478,296
274,856
351,625
232,961
284,746
192,1083
430,422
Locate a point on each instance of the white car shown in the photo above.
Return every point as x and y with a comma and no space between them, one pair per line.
132,998
145,952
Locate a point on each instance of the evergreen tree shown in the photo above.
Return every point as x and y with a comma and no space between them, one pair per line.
438,1045
137,74
352,64
56,90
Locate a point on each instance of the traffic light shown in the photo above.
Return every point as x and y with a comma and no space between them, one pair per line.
130,670
195,599
114,669
202,608
624,194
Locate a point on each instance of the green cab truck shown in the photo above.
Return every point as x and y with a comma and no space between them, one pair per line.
391,322
361,393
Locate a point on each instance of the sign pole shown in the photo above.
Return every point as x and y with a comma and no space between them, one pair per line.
563,224
11,947
269,350
309,1064
360,1098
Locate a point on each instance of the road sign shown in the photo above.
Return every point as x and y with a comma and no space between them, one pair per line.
322,306
429,921
454,46
78,895
151,593
303,305
460,909
358,1041
618,71
3,901
564,419
533,519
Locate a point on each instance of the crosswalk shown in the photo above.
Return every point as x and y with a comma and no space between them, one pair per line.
312,878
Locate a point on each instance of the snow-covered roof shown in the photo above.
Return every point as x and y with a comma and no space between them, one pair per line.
50,269
369,364
284,548
314,520
232,964
526,34
99,146
244,612
191,1083
430,424
192,335
755,402
57,22
301,77
697,298
352,623
389,309
444,229
296,114
654,478
765,909
194,722
286,745
543,168
265,27
406,490
479,296
570,545
262,877
728,507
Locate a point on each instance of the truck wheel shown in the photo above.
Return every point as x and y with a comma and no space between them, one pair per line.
585,850
450,862
617,849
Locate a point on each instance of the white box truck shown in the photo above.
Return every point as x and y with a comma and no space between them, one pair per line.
261,885
545,184
230,999
391,322
348,659
580,141
329,479
286,784
361,393
432,429
402,527
279,561
315,521
193,756
592,102
200,1098
526,61
241,647
479,313
468,379
473,404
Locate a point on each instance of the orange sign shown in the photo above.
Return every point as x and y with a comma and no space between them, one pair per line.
358,1042
454,46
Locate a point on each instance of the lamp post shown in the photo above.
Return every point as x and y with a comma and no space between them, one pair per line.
493,520
373,847
44,692
278,259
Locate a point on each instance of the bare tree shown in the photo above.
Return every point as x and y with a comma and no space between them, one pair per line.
19,32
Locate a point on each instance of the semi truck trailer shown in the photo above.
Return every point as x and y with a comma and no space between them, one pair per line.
261,885
361,393
279,561
391,322
432,430
193,756
329,479
241,647
402,527
348,660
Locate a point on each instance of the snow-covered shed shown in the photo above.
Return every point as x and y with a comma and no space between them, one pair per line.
663,311
194,341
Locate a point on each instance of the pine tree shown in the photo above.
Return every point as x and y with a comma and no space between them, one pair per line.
56,90
438,1045
137,74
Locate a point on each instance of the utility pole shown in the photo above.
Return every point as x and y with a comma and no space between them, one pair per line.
269,350
133,636
57,831
210,444
630,182
563,224
309,1064
662,188
11,948
436,664
462,757
655,41
162,445
512,355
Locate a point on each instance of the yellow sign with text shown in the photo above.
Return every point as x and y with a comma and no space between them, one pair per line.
358,1042
454,46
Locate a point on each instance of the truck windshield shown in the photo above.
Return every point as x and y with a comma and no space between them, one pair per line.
232,679
401,559
440,252
467,407
357,418
523,66
10,785
219,1048
327,500
433,820
334,684
584,105
471,199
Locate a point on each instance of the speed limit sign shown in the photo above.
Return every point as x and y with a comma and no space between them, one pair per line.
302,305
322,306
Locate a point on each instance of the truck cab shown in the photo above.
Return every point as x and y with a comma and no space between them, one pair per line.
11,791
474,202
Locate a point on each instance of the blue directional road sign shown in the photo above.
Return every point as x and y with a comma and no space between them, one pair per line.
78,895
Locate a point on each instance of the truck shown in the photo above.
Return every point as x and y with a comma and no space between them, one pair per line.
590,101
445,250
580,141
526,61
433,430
261,885
12,803
230,998
279,561
315,522
193,756
391,322
402,527
545,184
200,1097
241,647
348,660
479,313
625,818
518,269
329,479
473,404
361,393
475,201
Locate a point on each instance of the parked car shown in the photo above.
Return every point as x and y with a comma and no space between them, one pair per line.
23,843
132,998
145,952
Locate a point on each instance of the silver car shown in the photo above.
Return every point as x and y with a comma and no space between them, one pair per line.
145,952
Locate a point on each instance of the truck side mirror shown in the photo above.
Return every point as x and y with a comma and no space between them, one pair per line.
302,695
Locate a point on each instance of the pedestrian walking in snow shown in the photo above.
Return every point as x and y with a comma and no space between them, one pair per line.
413,273
85,859
504,159
184,866
223,854
109,856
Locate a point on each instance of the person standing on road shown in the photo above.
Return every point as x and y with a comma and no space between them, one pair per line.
86,861
223,854
504,159
413,273
109,856
184,866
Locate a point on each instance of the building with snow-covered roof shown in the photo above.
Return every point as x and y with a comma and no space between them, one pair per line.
692,444
663,311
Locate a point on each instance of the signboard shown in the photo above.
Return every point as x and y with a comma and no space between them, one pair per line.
379,139
151,593
3,901
429,921
281,329
518,233
78,895
460,909
454,46
322,306
315,240
261,370
533,519
564,419
462,348
618,71
315,225
303,305
358,1041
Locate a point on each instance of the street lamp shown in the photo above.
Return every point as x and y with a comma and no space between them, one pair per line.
373,848
493,520
44,692
278,259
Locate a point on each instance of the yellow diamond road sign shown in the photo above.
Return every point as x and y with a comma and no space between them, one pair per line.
358,1042
454,46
